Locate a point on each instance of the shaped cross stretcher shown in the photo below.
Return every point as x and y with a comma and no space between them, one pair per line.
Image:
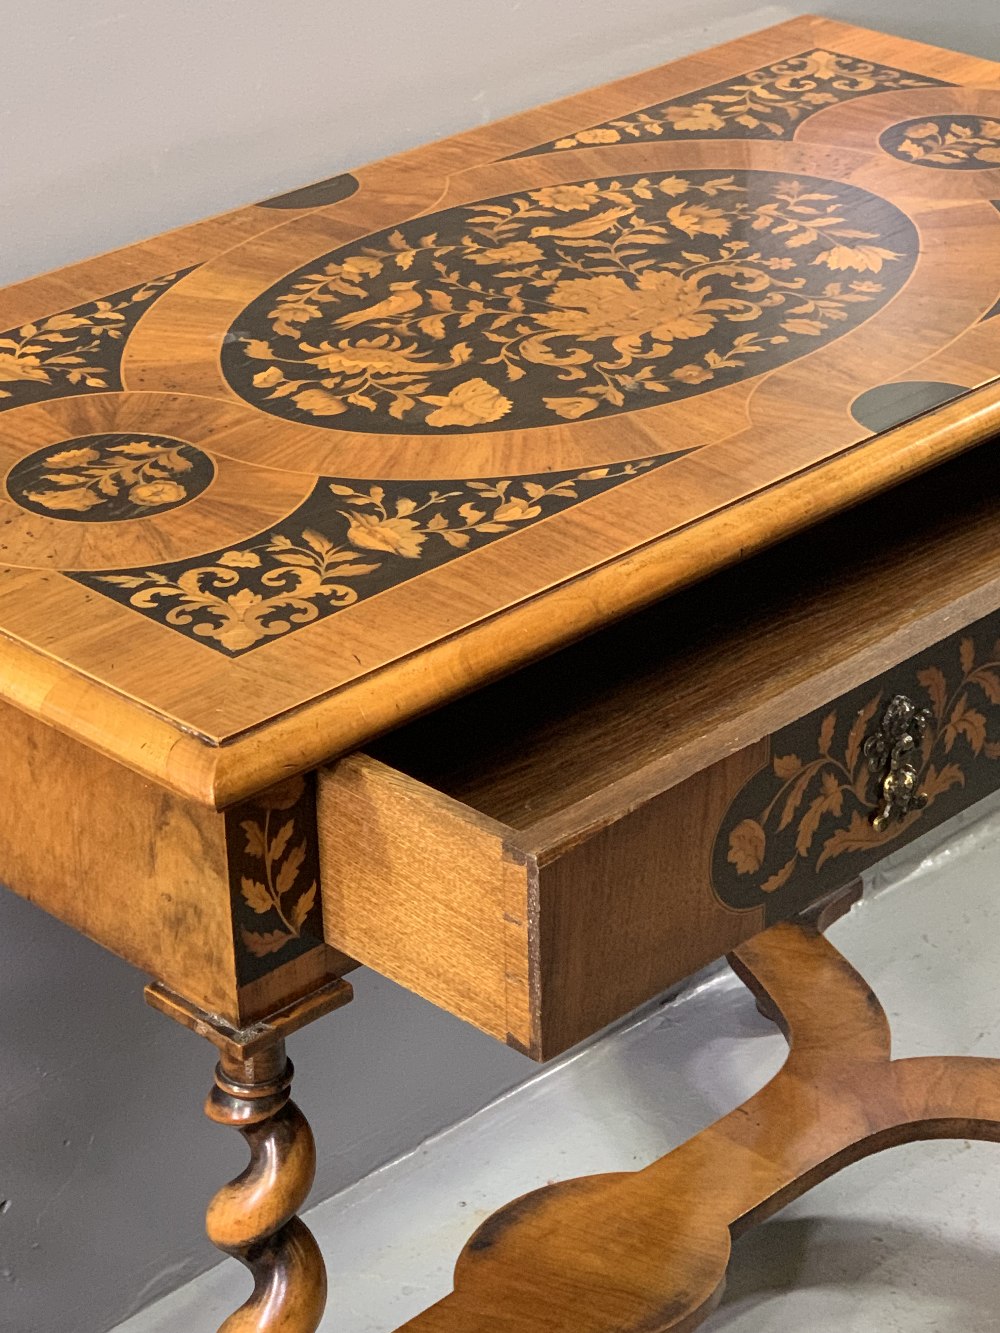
646,1251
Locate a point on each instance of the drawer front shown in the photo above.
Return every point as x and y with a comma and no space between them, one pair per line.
755,838
802,824
542,945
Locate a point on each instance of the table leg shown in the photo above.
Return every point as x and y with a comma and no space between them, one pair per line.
253,1218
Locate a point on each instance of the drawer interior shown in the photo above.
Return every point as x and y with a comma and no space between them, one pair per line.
536,856
568,743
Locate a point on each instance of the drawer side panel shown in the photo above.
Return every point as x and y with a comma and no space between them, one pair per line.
425,891
628,912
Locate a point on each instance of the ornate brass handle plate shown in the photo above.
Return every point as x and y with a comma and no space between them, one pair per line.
893,752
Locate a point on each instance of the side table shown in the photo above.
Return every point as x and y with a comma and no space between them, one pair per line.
532,566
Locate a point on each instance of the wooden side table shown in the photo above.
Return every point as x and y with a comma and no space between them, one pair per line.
694,365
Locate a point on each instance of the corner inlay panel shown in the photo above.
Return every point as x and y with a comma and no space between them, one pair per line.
768,103
887,405
76,351
273,851
320,195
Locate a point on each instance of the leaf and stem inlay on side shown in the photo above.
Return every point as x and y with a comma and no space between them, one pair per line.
274,871
76,351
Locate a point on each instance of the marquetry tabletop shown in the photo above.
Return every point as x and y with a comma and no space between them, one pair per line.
277,480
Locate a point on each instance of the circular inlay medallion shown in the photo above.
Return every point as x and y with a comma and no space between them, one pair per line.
956,143
108,478
573,301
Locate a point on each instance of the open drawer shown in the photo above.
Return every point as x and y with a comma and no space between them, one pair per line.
552,851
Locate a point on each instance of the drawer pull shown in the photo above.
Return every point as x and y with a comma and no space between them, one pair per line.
893,752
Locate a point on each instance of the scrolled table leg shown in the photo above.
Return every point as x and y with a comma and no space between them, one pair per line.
254,1217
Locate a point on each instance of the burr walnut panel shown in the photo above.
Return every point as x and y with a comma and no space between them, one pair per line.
338,456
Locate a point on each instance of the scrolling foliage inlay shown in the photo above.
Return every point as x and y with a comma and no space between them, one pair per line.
346,542
796,829
76,351
767,103
274,875
577,300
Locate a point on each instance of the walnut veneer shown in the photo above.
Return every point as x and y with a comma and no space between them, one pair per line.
717,347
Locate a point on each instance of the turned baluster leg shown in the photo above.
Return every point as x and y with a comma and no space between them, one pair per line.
254,1218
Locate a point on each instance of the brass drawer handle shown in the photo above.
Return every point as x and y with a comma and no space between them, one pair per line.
894,752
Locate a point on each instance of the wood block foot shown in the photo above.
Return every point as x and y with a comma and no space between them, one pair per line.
646,1251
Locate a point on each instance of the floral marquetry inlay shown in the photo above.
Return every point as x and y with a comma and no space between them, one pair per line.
107,478
274,876
347,542
577,300
76,351
959,142
471,401
795,826
768,103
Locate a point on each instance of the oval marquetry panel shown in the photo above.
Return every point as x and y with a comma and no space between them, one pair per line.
583,299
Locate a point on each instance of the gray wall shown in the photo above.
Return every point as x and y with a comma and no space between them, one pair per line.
121,119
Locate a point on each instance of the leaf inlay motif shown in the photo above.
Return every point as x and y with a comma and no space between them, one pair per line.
579,300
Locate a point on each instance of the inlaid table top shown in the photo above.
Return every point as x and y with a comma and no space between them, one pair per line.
277,480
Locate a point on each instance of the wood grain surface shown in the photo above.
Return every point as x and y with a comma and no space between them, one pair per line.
560,847
647,1251
164,881
278,481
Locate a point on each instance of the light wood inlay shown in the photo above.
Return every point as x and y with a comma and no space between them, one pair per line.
331,460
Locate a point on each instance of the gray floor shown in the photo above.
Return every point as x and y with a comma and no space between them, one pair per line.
907,1241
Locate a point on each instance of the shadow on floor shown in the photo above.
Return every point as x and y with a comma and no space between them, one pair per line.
796,1254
